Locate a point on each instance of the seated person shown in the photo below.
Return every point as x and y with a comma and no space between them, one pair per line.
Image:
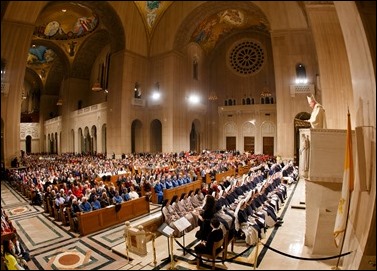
125,195
85,205
10,259
215,235
133,194
19,251
117,199
205,246
104,200
37,199
158,188
96,204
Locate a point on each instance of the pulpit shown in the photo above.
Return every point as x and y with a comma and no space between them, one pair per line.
136,240
323,187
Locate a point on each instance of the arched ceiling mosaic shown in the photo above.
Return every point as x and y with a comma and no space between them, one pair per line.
209,24
214,27
64,21
152,11
69,35
67,38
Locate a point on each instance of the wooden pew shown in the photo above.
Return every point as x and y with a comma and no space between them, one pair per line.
153,194
63,214
70,219
220,176
106,217
243,170
208,178
223,175
50,204
169,193
56,212
45,204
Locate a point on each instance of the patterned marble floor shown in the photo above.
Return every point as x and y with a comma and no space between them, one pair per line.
54,247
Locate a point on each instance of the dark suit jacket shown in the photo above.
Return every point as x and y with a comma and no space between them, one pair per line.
213,237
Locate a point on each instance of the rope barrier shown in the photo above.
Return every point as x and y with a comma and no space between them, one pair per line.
216,261
304,258
268,247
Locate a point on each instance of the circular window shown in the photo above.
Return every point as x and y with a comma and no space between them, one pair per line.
246,57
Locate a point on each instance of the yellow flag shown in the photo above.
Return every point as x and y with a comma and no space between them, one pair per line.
347,188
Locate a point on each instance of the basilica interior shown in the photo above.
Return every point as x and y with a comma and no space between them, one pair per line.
121,77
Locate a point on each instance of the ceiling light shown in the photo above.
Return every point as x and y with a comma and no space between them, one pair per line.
194,99
156,95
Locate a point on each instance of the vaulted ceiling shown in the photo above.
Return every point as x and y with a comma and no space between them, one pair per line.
69,35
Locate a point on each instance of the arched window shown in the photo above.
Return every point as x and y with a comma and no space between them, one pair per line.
248,101
195,71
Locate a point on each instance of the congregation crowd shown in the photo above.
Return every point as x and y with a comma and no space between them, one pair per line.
246,205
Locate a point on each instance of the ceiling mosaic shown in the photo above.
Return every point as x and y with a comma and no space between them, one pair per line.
66,21
214,27
151,12
62,29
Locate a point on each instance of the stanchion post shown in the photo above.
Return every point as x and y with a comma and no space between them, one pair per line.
171,253
127,223
154,249
256,255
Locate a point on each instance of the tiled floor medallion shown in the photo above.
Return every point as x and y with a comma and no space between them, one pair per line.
69,260
18,210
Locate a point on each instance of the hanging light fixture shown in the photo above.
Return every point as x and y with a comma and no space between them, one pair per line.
59,102
97,86
265,93
212,96
24,97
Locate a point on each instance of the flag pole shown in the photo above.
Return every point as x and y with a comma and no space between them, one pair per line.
344,235
349,177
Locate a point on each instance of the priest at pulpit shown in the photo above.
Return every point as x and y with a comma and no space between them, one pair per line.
318,117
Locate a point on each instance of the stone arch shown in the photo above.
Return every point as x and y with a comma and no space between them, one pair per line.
195,131
156,136
137,136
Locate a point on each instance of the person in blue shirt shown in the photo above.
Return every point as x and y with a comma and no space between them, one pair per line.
95,203
162,181
188,178
85,205
117,199
158,188
180,180
168,183
125,195
175,181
